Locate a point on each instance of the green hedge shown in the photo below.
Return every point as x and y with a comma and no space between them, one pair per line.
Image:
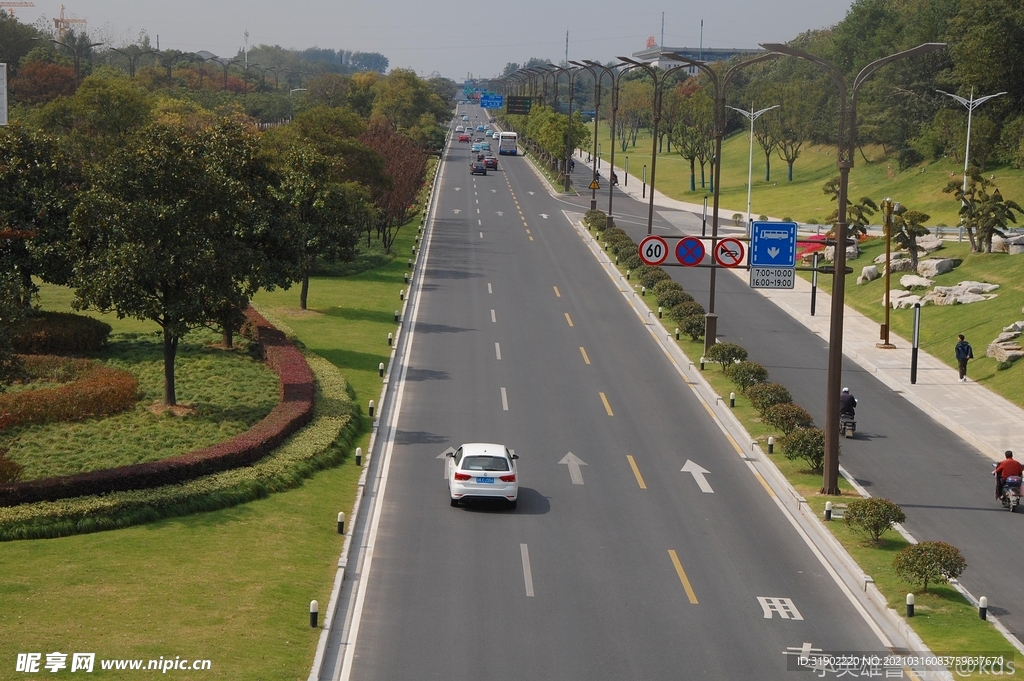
60,333
321,444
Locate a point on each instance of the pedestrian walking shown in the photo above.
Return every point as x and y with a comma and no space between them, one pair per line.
963,353
572,165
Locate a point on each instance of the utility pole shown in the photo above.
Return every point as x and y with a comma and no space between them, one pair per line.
662,43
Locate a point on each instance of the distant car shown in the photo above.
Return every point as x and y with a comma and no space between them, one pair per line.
485,146
483,471
476,146
477,168
465,117
459,128
479,128
492,120
490,162
463,137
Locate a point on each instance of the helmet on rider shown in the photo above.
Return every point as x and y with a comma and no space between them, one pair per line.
846,390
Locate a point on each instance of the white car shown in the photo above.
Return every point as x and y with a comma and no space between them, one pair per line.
480,470
459,128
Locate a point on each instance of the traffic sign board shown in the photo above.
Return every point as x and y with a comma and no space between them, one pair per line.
519,105
772,277
653,250
729,252
594,184
773,244
690,251
492,101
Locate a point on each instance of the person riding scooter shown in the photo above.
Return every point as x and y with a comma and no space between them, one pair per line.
1009,467
847,403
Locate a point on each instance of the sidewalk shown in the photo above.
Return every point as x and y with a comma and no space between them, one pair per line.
987,421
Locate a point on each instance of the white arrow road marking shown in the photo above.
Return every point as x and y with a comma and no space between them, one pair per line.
444,455
698,473
500,214
456,211
772,252
544,215
458,189
530,193
494,191
574,463
527,572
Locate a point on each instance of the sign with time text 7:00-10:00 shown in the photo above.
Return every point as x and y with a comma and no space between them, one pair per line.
772,277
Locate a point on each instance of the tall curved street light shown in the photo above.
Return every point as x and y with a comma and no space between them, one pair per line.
616,73
132,58
658,83
753,116
844,160
718,84
592,70
76,51
572,72
971,105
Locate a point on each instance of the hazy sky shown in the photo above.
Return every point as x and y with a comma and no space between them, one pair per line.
450,37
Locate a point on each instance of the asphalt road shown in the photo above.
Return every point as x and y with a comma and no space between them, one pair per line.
521,338
942,483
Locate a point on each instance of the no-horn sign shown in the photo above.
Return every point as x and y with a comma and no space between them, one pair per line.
729,252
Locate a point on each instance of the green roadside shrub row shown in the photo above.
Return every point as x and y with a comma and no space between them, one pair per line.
293,411
321,444
94,390
59,333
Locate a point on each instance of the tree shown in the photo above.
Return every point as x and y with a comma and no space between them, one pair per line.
636,99
405,165
858,215
984,214
873,517
328,89
151,241
907,226
792,124
38,82
996,216
693,128
374,62
807,444
929,562
11,313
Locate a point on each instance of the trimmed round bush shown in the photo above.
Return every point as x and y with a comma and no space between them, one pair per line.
653,276
726,353
624,248
59,333
873,517
631,261
930,561
787,417
746,374
764,395
667,285
686,309
669,298
595,219
693,326
806,444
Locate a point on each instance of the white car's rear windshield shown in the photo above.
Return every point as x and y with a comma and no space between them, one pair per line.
485,463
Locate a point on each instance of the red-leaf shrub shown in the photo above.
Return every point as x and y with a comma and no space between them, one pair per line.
101,391
294,411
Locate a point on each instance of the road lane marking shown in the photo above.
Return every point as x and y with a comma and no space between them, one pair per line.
698,472
574,463
584,353
504,400
479,222
481,235
489,287
607,407
568,318
493,320
682,576
527,231
524,550
478,211
557,294
764,483
531,238
497,350
636,471
783,606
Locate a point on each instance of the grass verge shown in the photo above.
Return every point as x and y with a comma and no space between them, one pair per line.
945,621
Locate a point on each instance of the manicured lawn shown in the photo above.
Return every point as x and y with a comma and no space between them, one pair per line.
802,199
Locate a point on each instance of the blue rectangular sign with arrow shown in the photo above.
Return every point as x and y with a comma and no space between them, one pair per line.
773,244
492,101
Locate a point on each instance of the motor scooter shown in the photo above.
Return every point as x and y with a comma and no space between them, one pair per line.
847,425
1010,497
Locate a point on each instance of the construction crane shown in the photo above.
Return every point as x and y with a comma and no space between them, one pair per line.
9,6
63,24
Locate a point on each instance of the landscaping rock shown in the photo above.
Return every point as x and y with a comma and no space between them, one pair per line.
1014,245
964,293
929,243
894,295
879,260
902,265
909,281
905,302
1007,336
932,267
851,252
1005,351
1016,326
868,273
998,244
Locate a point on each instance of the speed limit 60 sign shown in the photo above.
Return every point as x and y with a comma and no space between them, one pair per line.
653,251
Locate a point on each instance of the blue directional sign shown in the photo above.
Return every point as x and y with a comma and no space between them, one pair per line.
773,244
492,101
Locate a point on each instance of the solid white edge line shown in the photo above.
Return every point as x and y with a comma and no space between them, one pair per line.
524,551
349,645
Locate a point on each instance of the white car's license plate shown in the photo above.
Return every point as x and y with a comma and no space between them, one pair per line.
485,481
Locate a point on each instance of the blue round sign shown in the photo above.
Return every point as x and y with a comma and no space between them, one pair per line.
690,251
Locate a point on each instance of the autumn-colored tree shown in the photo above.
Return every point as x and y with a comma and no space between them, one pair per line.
38,82
406,166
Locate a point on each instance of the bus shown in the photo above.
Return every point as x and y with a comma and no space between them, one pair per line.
508,144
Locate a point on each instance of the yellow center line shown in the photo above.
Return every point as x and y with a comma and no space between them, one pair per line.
531,238
568,318
557,294
682,577
527,231
584,352
636,471
607,407
764,483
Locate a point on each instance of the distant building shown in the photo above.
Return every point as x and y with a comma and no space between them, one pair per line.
706,54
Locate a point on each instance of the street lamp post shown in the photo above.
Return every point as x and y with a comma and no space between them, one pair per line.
76,51
753,116
844,160
131,58
597,110
653,72
568,125
615,73
718,85
888,207
971,105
